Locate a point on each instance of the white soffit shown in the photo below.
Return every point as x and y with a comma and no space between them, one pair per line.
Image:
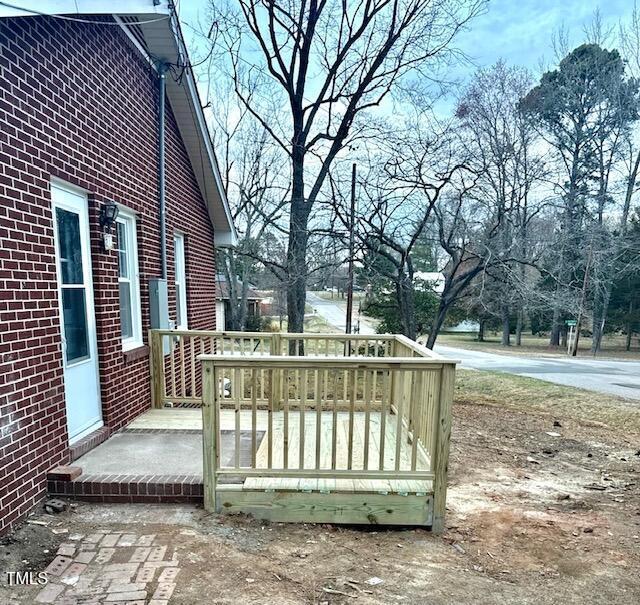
25,8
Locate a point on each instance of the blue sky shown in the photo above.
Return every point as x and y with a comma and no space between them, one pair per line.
520,31
517,30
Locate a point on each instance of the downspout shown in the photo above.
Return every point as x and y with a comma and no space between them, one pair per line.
162,91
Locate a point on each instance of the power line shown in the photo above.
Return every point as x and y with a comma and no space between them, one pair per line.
77,19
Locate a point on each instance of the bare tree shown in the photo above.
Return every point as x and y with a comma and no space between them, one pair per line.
252,172
331,62
501,142
403,180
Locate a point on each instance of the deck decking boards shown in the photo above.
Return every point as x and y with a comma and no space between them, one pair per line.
191,419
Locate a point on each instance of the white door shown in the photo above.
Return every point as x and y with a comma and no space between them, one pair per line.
77,316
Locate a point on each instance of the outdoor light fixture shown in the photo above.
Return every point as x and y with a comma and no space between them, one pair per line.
108,215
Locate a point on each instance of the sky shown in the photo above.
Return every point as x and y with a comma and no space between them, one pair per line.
518,31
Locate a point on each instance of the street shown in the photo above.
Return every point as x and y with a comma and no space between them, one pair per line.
614,377
336,314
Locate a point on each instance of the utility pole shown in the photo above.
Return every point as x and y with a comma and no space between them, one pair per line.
352,228
585,281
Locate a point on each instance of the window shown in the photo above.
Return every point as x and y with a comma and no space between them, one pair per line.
128,281
181,284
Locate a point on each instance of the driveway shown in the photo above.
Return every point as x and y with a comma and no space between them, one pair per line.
336,314
614,377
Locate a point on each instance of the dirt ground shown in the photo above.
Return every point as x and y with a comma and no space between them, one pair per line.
542,510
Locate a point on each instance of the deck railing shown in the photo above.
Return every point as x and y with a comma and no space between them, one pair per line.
345,407
175,371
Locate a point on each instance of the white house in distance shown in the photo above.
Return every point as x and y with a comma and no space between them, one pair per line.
436,280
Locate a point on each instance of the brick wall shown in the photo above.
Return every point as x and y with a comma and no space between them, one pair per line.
78,103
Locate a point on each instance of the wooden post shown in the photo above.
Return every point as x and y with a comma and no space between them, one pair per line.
156,360
210,394
392,377
441,448
276,345
276,388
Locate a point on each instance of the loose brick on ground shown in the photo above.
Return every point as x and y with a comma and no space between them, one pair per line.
85,556
104,555
58,565
127,596
110,540
94,538
168,574
127,540
126,586
49,593
164,590
140,554
157,554
72,573
66,549
146,540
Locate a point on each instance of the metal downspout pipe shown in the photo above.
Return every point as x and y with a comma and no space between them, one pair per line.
162,91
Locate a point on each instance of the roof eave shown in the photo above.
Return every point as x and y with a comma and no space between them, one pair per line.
200,151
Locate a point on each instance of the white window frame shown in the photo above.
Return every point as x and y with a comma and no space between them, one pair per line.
127,218
180,279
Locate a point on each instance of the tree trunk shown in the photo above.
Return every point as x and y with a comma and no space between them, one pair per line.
481,330
563,333
506,325
230,267
297,246
437,323
629,326
599,319
405,296
519,327
556,328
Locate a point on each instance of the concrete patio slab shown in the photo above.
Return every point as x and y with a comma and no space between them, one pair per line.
137,453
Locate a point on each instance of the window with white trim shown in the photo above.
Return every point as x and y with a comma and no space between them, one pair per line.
181,281
128,281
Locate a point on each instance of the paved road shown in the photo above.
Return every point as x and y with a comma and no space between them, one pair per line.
336,314
604,376
620,378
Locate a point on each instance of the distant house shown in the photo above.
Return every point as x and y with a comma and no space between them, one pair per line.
223,303
435,280
84,268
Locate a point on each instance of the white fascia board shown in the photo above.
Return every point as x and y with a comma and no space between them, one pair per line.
204,133
26,8
230,238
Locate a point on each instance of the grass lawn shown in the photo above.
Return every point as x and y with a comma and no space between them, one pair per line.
538,396
612,346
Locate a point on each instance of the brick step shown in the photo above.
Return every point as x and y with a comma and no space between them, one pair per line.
185,489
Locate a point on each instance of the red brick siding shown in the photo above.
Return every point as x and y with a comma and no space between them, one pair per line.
78,103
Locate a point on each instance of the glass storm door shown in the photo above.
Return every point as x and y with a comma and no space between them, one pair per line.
77,316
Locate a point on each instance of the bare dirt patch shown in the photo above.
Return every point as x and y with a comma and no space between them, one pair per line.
544,508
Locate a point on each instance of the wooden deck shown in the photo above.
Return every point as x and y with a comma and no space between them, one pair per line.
335,428
191,419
